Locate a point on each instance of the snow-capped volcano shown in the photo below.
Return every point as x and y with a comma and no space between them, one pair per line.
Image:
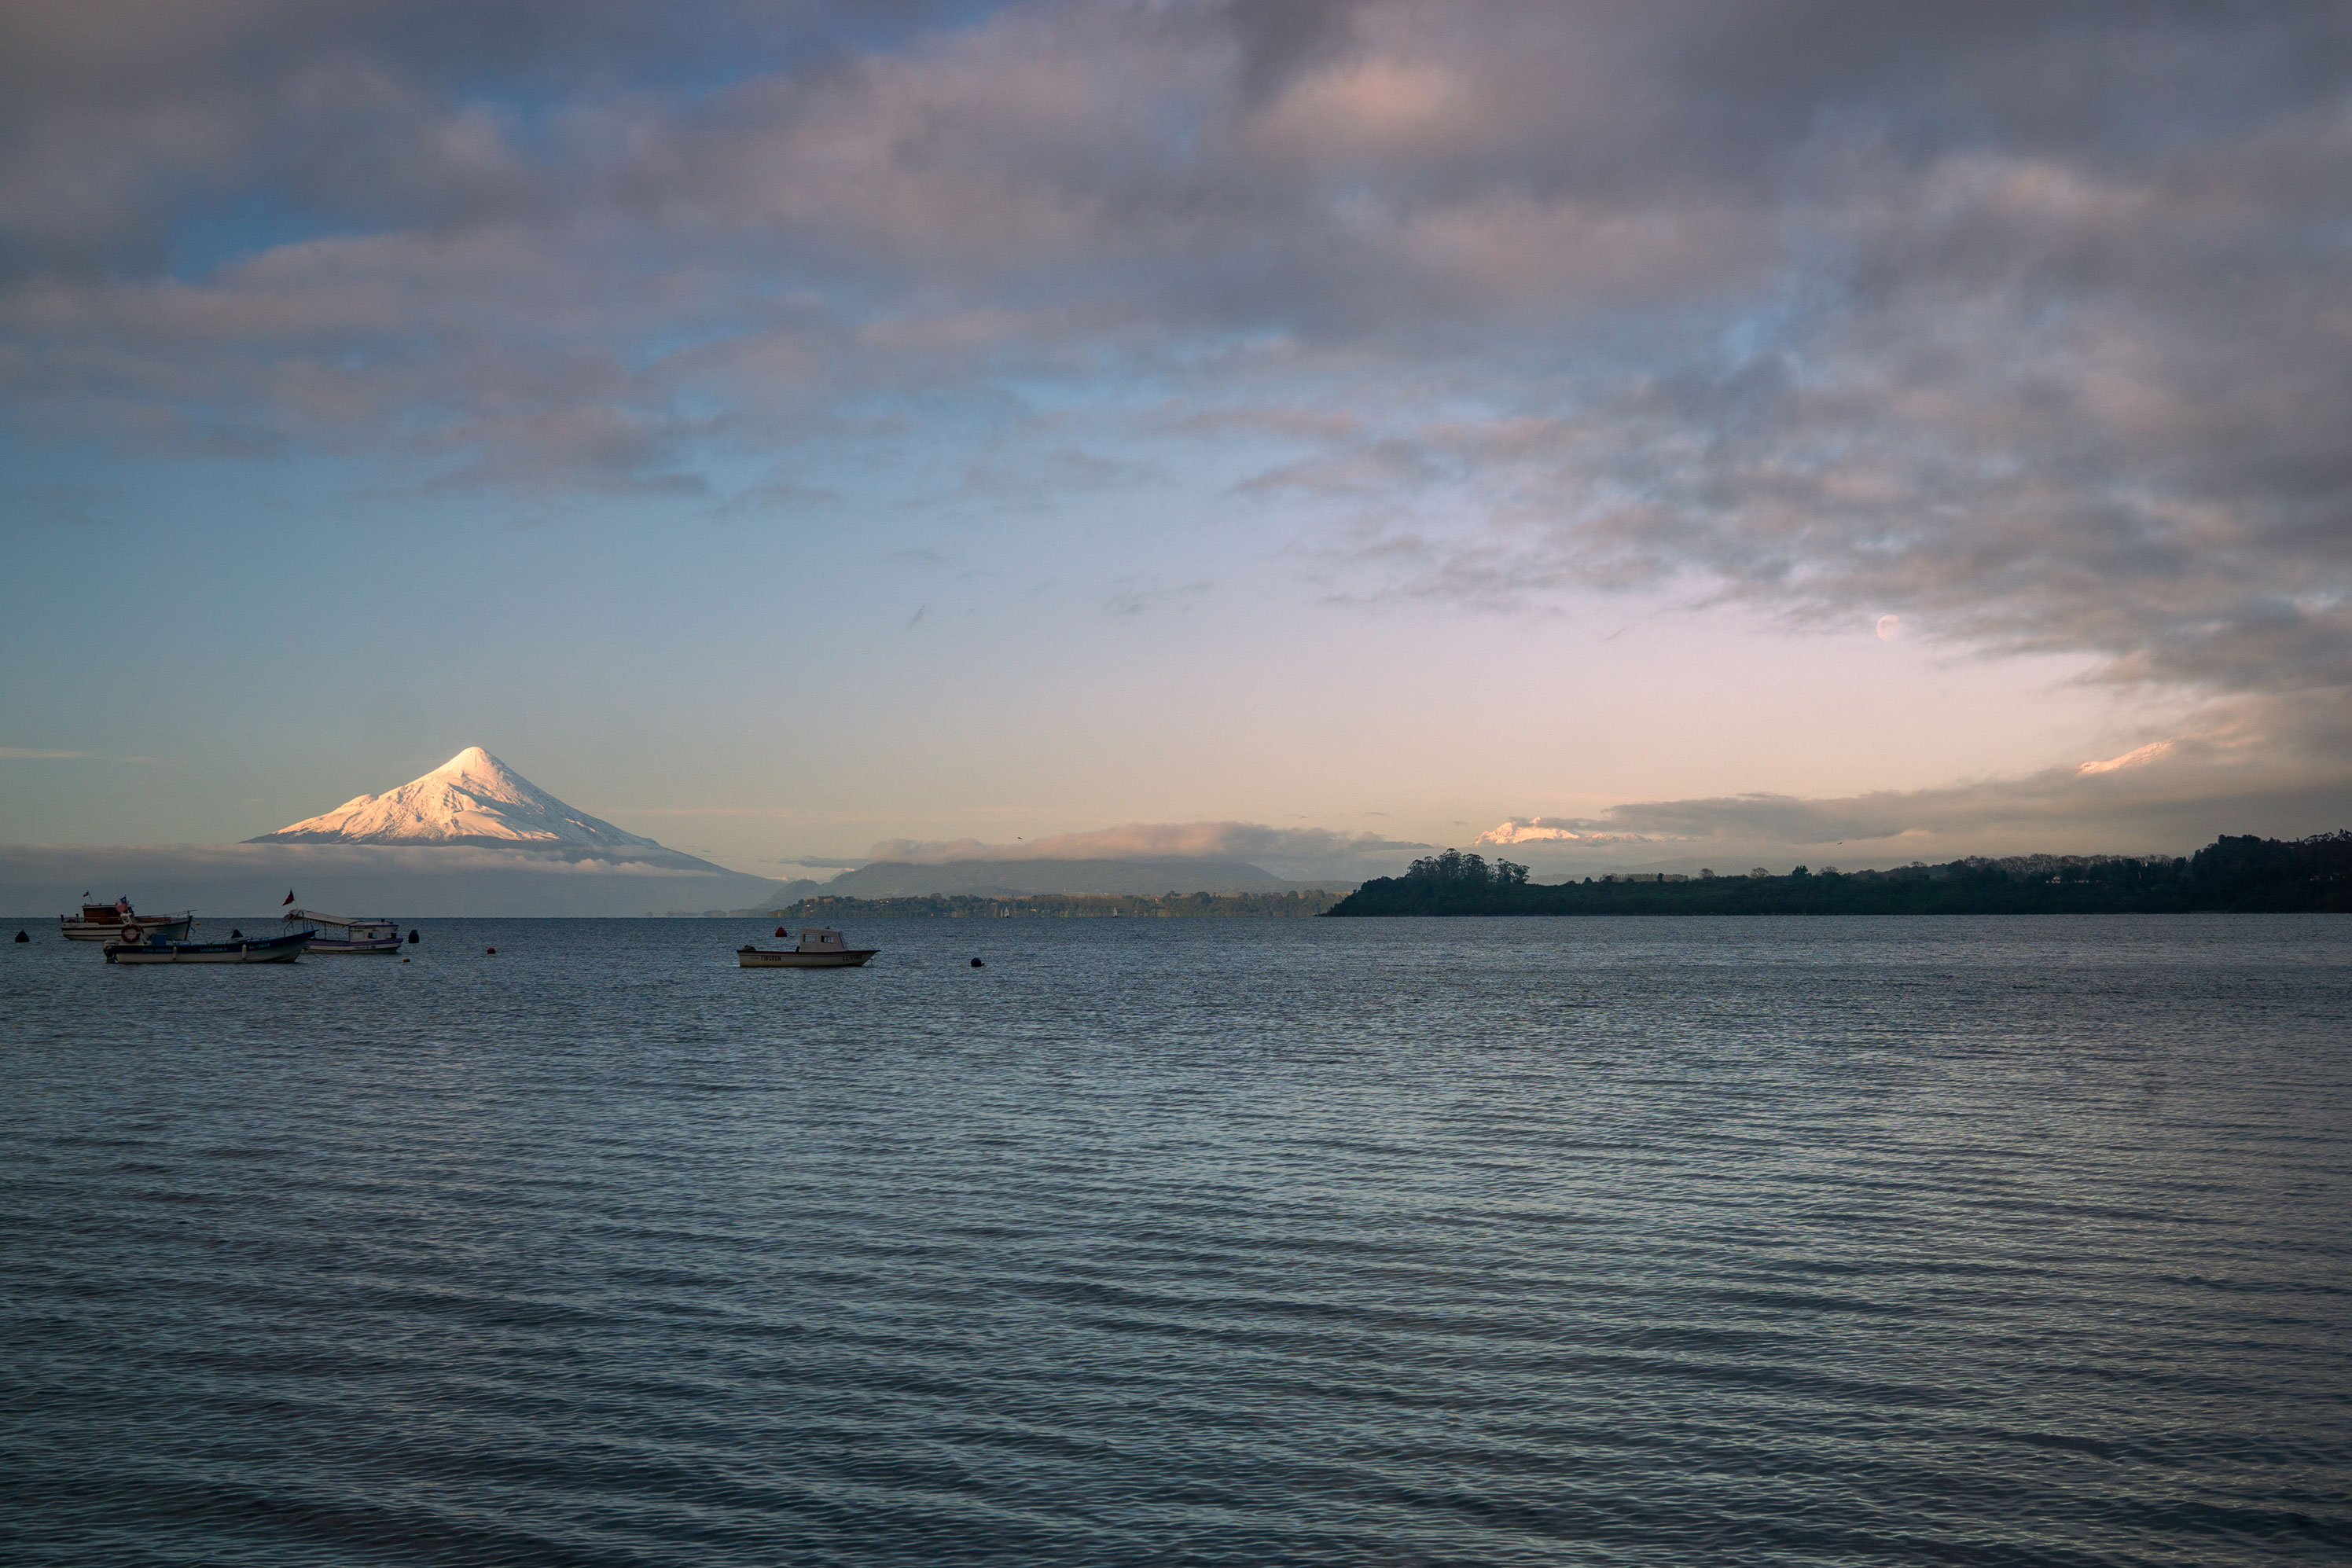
475,800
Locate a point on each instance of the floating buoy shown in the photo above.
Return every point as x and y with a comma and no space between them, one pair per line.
22,938
978,965
408,960
494,949
782,932
412,938
235,935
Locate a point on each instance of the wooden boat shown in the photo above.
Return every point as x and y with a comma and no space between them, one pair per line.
116,922
818,949
157,950
350,935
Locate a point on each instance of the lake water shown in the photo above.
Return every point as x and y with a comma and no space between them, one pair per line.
1203,1242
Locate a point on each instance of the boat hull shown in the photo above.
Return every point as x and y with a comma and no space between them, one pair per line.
848,959
376,937
268,950
174,927
382,947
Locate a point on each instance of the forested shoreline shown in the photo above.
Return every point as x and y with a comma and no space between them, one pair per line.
2238,875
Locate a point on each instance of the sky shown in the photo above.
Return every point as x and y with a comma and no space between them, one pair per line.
1595,434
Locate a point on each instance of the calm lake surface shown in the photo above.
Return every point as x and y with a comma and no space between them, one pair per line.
2021,1240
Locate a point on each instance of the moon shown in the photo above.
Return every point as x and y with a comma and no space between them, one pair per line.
1890,627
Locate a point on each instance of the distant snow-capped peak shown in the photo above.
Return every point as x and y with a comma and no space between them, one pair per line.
472,799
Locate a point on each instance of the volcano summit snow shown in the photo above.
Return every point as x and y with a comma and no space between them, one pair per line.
475,800
472,837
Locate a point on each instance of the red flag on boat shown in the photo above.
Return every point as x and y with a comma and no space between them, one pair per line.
289,897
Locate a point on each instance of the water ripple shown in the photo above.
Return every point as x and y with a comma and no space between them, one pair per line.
1788,1241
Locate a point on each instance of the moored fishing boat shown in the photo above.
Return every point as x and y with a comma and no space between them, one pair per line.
819,949
350,935
258,950
117,922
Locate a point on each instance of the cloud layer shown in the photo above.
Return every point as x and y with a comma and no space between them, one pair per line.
219,881
2027,324
2248,768
1296,852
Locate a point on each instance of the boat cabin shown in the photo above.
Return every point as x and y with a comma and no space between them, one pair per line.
820,949
117,922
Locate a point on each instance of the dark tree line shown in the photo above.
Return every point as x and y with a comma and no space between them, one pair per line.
2247,874
1455,869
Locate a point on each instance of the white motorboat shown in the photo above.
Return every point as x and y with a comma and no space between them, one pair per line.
381,936
818,949
117,922
261,950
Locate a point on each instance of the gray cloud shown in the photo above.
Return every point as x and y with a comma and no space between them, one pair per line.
1279,37
2029,322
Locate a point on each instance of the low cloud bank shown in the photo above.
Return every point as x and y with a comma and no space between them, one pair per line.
2247,766
40,881
1296,854
2230,775
1016,878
